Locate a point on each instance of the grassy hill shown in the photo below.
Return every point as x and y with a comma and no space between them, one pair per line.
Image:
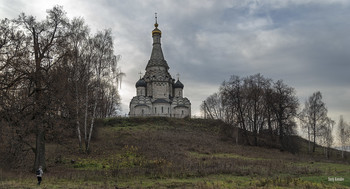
178,153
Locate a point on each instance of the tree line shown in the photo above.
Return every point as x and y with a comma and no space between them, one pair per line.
56,78
260,106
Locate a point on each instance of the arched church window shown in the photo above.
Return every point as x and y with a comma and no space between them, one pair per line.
155,110
162,109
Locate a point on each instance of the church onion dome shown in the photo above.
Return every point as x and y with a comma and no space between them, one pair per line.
156,31
178,84
141,83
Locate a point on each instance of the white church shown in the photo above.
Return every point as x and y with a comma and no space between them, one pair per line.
157,93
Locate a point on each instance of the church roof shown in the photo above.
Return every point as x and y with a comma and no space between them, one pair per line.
157,57
160,100
181,106
142,105
178,84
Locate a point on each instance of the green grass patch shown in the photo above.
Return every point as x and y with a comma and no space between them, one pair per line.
223,155
328,168
129,128
91,164
126,126
330,180
331,173
129,158
210,181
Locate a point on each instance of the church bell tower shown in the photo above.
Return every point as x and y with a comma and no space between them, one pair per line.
157,92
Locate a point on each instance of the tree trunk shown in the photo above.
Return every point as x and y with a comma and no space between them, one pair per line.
255,137
281,134
309,141
255,125
91,126
314,146
78,122
40,149
38,107
237,134
314,131
94,112
79,135
241,118
269,123
328,152
86,116
205,104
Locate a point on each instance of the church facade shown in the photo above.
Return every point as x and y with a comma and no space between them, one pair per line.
157,93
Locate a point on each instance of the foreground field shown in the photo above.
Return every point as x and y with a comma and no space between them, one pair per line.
178,153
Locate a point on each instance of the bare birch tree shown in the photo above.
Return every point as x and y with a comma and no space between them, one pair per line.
79,33
326,138
305,126
343,133
44,67
101,61
316,115
213,106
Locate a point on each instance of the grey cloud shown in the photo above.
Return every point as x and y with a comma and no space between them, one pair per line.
305,43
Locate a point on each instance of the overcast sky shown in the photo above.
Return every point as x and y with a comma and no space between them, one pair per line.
306,43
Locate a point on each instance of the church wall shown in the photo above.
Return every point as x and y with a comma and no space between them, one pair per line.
149,89
160,90
142,111
167,90
156,39
181,112
132,110
171,91
141,91
161,109
178,92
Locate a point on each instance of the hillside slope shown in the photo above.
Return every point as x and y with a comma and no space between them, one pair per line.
177,153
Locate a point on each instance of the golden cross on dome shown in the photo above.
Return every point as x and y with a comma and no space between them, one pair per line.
156,24
140,74
178,76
